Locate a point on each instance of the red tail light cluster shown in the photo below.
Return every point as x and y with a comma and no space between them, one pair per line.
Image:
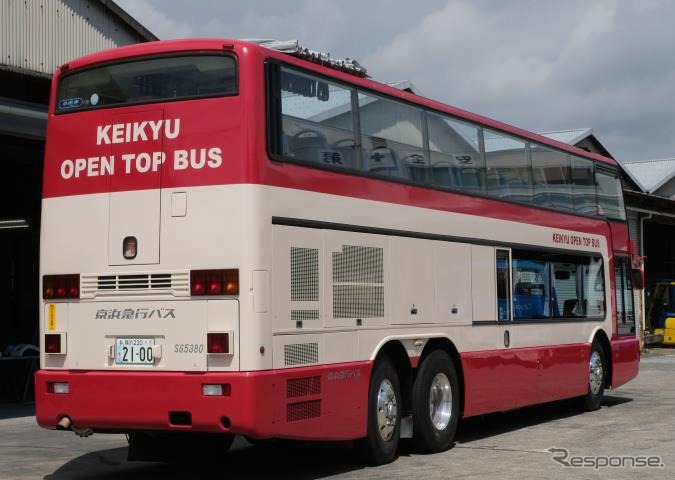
214,282
60,286
53,343
218,343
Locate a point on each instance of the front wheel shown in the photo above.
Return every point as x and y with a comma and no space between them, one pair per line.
384,419
597,372
435,401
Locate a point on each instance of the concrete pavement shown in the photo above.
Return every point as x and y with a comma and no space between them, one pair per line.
636,419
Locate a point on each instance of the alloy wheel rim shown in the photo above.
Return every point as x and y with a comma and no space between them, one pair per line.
440,401
596,373
387,411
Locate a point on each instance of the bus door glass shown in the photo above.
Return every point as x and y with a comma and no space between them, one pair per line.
504,303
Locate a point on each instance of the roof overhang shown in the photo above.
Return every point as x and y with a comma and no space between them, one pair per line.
21,119
647,203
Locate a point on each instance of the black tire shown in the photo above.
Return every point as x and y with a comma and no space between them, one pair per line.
374,449
426,436
595,394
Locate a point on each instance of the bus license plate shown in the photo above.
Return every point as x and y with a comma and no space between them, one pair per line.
134,351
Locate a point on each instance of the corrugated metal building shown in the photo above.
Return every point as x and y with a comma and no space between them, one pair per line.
36,36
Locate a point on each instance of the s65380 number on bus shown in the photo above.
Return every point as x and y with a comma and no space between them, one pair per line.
188,348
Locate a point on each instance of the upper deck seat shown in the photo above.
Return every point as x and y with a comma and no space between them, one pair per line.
308,145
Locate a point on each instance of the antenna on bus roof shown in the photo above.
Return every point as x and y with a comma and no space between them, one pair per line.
292,47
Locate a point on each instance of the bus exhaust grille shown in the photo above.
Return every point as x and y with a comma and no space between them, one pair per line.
358,282
302,315
301,354
175,284
302,387
304,274
303,410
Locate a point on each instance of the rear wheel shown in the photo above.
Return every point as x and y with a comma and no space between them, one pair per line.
435,402
384,419
597,371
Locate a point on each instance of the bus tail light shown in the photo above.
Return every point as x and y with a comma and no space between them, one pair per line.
55,343
60,286
214,282
220,342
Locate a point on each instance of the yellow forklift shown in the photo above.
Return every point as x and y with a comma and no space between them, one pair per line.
661,314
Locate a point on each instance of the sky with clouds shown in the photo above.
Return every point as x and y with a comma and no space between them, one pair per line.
537,64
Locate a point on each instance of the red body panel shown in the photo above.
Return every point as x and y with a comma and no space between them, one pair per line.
625,360
202,125
260,404
499,380
620,237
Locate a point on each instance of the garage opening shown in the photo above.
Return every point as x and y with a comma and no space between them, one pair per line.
20,192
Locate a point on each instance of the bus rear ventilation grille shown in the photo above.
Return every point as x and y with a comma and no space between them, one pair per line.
303,410
301,353
302,387
176,283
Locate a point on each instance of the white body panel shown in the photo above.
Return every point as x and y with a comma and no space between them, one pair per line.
448,284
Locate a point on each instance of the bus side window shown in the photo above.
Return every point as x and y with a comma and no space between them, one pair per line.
391,134
625,310
531,299
508,167
557,286
583,186
610,195
551,176
456,158
317,120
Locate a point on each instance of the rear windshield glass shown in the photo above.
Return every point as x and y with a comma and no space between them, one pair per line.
146,81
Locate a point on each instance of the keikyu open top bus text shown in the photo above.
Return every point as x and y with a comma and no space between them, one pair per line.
151,161
576,240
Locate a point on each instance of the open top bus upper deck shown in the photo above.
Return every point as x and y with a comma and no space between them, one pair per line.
243,49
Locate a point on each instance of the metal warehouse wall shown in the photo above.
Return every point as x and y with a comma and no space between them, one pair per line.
40,35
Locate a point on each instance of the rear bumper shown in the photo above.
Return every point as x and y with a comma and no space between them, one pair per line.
301,403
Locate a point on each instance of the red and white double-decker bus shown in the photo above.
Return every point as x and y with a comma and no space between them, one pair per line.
241,240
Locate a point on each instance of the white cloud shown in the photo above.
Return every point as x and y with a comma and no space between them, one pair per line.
156,19
543,66
540,65
308,21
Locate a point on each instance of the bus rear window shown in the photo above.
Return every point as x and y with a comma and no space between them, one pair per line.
146,81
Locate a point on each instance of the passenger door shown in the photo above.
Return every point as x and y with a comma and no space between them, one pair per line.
520,365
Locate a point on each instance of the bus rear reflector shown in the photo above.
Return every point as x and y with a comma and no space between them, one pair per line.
219,342
53,343
60,286
214,282
58,387
216,390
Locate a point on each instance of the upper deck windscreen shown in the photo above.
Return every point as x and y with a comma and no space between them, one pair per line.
147,80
